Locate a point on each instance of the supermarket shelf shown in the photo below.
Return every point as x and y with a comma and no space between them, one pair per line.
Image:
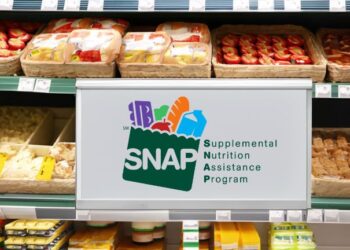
179,5
58,85
328,90
331,203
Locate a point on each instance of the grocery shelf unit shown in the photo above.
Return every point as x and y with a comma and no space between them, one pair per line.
330,108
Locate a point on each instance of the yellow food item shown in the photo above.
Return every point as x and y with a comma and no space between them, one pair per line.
187,53
249,237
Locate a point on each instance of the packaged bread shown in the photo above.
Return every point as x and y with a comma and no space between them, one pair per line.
187,53
93,46
16,228
48,47
66,25
186,32
18,123
144,47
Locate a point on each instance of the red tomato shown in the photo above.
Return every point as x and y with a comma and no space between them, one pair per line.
232,59
248,38
16,33
263,46
266,60
249,59
245,43
295,50
249,51
25,38
281,56
279,39
295,40
16,44
301,59
3,36
262,38
229,40
229,50
90,56
5,53
280,47
266,52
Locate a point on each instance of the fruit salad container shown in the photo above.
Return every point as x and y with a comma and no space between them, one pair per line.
151,54
81,53
335,45
274,51
14,37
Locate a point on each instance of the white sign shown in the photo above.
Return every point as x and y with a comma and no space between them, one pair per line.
331,215
49,4
95,5
6,4
223,215
241,5
72,5
26,84
292,5
197,5
266,5
315,215
42,85
323,90
294,215
209,150
344,91
337,5
146,5
190,225
276,216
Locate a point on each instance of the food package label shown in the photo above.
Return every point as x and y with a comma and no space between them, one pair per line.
169,143
3,158
46,169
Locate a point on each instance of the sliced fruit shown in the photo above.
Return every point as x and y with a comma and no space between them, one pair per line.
16,44
249,59
281,56
232,59
263,46
229,50
282,62
249,51
5,53
3,36
301,59
266,52
280,47
295,50
266,60
16,33
25,38
262,38
247,37
4,45
279,39
246,43
295,40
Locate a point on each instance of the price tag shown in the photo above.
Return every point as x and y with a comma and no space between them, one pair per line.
26,84
331,215
337,5
72,5
49,4
190,234
266,5
294,216
42,85
276,216
344,91
46,169
315,215
146,5
3,159
190,225
197,5
292,5
95,5
223,215
6,4
241,5
323,90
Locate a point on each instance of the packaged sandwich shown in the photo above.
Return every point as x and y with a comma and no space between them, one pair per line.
186,32
144,47
47,228
54,242
93,46
15,242
48,47
16,228
187,53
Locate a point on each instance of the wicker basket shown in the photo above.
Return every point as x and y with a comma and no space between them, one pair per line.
54,186
317,71
336,72
159,70
10,66
328,186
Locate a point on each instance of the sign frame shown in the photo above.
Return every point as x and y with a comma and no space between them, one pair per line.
88,85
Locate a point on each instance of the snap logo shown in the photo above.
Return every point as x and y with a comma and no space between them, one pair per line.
163,144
